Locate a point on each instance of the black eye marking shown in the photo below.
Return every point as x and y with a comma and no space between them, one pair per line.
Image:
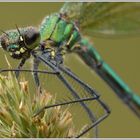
31,35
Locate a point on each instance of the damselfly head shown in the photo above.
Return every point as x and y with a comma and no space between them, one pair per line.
20,40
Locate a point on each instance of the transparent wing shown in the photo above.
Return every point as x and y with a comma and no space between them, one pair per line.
105,18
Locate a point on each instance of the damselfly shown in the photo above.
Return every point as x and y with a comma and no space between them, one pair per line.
60,33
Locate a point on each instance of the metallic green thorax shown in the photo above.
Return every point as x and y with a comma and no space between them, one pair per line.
59,31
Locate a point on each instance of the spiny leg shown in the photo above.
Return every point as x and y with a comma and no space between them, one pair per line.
73,92
70,101
27,70
93,93
107,112
81,100
75,100
22,62
35,74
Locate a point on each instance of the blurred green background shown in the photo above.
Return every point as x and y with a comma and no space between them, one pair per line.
121,54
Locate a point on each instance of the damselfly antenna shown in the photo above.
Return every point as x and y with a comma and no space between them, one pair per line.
18,30
20,35
21,38
4,32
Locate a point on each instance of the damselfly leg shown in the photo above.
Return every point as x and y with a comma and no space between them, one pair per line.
87,93
83,100
22,62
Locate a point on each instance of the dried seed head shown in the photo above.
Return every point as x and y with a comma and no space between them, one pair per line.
13,133
24,86
18,108
21,105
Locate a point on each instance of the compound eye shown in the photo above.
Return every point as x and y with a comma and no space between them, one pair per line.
31,36
4,42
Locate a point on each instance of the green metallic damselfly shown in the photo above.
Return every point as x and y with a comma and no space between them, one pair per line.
60,32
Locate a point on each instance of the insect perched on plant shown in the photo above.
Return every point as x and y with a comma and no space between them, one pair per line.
60,33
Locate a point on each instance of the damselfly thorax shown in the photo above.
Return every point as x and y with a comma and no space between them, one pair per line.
57,31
